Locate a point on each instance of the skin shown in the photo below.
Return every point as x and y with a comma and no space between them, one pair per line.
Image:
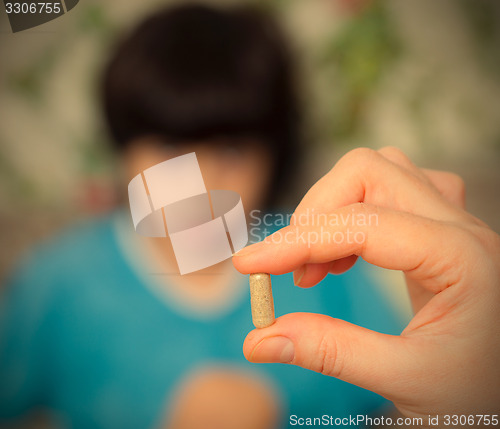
446,359
223,399
244,167
215,398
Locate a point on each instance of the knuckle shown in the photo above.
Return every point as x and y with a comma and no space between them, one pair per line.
457,184
453,180
456,180
392,150
489,238
328,360
396,155
454,189
360,155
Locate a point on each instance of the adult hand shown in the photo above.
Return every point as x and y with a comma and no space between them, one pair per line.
446,361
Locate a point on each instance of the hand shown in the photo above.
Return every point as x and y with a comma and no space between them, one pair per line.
447,359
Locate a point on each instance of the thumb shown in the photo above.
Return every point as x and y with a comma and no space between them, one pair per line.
378,362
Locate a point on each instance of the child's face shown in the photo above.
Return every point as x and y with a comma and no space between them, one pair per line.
244,167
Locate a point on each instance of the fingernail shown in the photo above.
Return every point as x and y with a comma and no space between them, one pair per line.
247,250
273,349
297,275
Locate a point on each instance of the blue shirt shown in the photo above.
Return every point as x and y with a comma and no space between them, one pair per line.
81,334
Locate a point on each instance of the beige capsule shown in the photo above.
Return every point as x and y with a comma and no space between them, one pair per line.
261,299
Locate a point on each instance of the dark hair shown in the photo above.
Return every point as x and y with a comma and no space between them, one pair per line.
194,72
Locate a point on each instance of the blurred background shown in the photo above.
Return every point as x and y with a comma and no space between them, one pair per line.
420,75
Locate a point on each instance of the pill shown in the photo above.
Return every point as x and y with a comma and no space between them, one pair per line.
261,299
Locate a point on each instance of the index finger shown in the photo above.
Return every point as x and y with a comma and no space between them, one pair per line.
391,239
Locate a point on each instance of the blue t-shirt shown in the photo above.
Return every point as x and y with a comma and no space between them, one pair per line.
83,335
